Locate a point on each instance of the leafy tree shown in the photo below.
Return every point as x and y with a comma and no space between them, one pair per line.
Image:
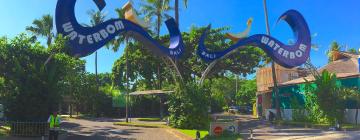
31,90
353,50
246,94
157,9
43,27
143,63
333,47
188,106
97,17
329,97
352,95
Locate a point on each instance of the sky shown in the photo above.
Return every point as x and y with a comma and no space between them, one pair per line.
329,20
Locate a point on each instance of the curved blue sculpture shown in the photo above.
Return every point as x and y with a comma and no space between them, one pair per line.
288,56
85,40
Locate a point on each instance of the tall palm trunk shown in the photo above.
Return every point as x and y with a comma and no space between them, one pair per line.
177,11
158,35
96,72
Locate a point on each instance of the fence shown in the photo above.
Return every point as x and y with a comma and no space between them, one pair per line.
287,114
28,128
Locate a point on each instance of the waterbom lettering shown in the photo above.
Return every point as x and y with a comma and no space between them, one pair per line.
286,55
85,40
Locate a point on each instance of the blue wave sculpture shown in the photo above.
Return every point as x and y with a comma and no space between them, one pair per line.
85,40
288,56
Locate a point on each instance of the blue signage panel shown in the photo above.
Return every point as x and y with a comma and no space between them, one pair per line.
288,56
85,40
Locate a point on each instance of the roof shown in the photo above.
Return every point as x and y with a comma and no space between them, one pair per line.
346,65
311,78
150,92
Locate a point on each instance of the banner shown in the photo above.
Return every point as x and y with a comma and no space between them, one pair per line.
288,56
85,40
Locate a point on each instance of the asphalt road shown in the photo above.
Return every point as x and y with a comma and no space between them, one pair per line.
103,129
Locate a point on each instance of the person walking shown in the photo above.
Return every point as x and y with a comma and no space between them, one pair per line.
54,122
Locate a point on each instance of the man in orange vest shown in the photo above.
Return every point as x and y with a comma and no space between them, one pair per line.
54,122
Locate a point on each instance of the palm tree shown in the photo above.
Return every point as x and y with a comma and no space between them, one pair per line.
177,18
333,47
43,27
158,9
353,50
97,17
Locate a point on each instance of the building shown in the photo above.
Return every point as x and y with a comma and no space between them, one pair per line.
291,82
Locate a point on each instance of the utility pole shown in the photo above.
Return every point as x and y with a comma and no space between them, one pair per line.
236,86
275,88
127,82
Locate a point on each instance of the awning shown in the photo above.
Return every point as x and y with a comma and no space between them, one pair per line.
150,92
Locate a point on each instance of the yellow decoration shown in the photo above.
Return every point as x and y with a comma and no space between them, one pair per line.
245,33
131,15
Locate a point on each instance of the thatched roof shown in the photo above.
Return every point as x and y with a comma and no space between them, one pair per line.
311,78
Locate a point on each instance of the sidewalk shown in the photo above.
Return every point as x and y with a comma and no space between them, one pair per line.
262,130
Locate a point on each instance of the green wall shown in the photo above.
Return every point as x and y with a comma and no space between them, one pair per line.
295,93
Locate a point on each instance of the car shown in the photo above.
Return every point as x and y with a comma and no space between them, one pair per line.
233,109
245,109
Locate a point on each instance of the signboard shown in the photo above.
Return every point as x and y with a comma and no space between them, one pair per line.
85,40
218,128
288,56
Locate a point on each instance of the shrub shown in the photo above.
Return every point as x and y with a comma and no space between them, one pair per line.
188,107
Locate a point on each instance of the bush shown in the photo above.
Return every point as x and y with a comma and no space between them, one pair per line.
188,107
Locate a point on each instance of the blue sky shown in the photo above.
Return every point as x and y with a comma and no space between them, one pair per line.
329,19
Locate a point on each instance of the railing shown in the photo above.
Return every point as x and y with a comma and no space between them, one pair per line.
28,128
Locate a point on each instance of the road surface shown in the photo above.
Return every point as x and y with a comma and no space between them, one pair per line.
262,130
103,129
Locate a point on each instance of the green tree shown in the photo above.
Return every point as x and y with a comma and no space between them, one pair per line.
96,17
188,106
247,93
353,50
157,9
43,27
31,90
352,95
329,96
333,47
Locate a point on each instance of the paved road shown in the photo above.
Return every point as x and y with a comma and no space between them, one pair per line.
103,129
262,130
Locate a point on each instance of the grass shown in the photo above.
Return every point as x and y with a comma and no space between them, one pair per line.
4,131
227,137
149,119
204,135
136,124
192,133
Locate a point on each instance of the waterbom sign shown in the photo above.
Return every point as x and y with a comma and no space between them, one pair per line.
85,40
286,55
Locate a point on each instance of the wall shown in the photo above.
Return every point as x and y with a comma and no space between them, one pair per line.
286,114
289,94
